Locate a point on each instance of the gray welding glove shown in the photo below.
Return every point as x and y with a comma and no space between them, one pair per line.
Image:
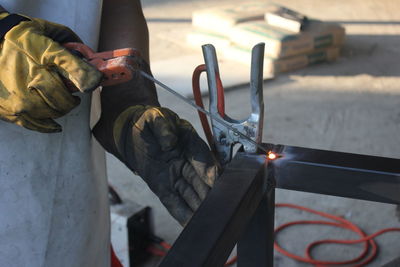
168,154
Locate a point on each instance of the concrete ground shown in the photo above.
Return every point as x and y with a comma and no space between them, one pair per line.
352,105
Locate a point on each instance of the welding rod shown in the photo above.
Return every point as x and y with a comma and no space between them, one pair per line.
186,100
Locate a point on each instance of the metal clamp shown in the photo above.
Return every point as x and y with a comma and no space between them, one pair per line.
225,139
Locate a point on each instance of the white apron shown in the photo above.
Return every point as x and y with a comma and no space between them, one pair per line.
53,200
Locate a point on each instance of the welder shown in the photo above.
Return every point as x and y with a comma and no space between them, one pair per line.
53,189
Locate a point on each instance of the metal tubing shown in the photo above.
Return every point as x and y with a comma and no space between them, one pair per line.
216,226
256,246
241,203
337,173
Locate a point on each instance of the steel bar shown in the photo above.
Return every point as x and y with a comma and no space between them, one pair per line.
240,207
337,173
216,226
256,246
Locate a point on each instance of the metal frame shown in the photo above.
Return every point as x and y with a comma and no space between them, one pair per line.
240,207
339,174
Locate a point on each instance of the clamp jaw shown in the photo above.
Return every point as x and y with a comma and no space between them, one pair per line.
223,138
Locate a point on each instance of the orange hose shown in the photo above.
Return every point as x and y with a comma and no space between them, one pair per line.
359,261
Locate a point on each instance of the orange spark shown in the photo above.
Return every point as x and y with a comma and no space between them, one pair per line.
271,155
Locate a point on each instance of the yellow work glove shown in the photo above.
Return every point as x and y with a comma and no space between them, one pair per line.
32,62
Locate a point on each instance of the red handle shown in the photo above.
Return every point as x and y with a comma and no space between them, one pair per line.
199,101
117,66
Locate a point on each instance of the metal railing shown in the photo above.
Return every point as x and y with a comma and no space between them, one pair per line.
240,207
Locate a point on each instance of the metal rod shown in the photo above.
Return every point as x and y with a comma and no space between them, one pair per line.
256,246
337,173
172,91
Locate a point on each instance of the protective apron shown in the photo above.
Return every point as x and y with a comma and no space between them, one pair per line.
53,191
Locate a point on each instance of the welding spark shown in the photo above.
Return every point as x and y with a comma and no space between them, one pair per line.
271,155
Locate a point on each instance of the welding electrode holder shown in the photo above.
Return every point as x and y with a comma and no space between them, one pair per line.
225,139
117,66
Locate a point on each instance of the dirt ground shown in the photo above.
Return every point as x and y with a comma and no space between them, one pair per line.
351,105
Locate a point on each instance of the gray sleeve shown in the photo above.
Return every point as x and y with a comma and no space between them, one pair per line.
2,9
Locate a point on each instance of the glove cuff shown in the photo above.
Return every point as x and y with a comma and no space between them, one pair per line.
122,125
114,135
9,21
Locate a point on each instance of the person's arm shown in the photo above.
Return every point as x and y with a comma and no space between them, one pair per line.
152,141
123,25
